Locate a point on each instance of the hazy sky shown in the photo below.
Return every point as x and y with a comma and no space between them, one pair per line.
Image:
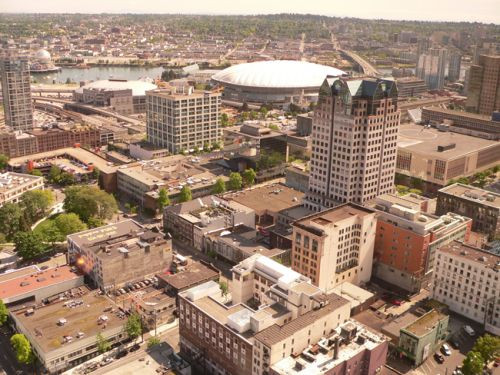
440,10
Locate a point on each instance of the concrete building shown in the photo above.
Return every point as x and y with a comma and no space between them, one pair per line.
191,275
16,91
354,135
437,157
117,254
182,119
252,138
422,338
462,122
455,63
146,151
408,238
482,206
466,280
335,246
304,124
64,333
14,185
154,306
191,221
483,88
409,87
32,285
351,349
226,335
431,68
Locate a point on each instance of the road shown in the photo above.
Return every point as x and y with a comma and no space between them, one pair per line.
367,68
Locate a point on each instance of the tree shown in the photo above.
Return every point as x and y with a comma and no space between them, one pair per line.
185,194
29,245
253,115
163,199
224,288
36,203
89,201
206,147
224,120
103,345
68,224
263,112
66,179
235,181
249,176
133,326
95,222
219,186
153,341
473,364
244,116
4,160
244,107
4,313
96,173
10,217
274,127
22,347
488,346
36,172
54,174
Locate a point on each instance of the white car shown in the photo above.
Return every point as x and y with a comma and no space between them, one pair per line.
446,350
468,329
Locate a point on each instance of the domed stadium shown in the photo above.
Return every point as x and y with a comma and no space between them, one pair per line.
273,82
43,56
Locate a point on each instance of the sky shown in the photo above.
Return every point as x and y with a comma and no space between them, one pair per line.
487,11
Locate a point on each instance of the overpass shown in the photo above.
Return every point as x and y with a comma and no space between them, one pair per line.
367,68
57,91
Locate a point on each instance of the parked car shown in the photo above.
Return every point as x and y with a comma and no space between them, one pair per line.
121,354
396,302
469,330
445,349
438,357
134,348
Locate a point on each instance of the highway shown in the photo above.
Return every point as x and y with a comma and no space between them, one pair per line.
367,68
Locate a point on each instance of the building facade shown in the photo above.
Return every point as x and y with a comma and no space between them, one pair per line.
16,91
482,206
14,185
467,280
455,63
354,136
182,121
409,87
483,88
431,68
335,246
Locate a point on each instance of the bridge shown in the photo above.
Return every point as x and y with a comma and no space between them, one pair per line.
57,91
367,68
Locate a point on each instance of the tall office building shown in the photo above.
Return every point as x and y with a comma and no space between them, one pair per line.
431,67
16,90
455,63
182,118
422,47
354,135
483,86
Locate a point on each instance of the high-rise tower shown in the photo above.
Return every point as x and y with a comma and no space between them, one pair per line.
483,86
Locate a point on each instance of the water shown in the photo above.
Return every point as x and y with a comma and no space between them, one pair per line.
96,73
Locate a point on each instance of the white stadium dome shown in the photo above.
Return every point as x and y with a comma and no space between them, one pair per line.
276,74
42,55
138,87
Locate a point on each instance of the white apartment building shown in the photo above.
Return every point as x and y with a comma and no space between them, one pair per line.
431,68
467,280
354,135
181,119
13,185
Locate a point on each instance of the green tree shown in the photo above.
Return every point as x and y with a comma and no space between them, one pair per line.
103,345
473,364
185,194
253,115
10,217
224,120
224,288
36,204
54,174
96,173
244,116
89,201
219,186
51,234
133,326
163,199
29,245
235,181
22,348
36,172
263,112
4,161
69,223
206,147
488,346
4,313
249,176
66,179
274,127
153,341
95,222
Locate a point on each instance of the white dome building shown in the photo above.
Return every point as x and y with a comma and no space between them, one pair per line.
43,56
277,82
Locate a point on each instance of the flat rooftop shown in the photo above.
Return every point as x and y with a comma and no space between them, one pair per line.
11,180
80,154
177,93
460,250
425,141
473,194
195,273
92,236
425,323
271,198
468,115
81,312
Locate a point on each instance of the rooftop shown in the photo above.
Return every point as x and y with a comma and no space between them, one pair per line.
425,141
138,87
270,198
30,279
11,180
77,313
469,115
195,273
425,323
474,194
461,250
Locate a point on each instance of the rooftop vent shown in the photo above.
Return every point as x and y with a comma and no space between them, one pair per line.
446,147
